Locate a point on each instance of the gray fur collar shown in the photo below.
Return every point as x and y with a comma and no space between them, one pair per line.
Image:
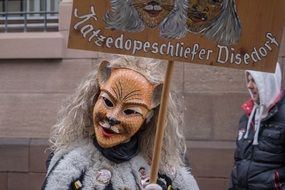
85,157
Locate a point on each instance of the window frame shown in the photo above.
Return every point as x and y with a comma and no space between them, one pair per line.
29,19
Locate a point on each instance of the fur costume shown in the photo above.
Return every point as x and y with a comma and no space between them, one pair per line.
81,162
88,160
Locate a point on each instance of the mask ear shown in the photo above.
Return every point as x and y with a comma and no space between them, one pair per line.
104,72
156,95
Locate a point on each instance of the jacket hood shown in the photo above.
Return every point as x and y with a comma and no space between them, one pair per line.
268,85
269,88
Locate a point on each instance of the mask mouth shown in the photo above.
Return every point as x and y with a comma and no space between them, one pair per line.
153,10
107,129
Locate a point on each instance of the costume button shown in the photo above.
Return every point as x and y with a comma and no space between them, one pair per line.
103,176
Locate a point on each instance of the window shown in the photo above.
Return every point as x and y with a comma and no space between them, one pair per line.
28,15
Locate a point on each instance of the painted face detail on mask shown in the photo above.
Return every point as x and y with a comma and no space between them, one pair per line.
122,107
202,13
153,12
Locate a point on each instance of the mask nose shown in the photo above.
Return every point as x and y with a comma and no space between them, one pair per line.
113,121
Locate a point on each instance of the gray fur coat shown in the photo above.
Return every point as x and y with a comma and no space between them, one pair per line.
81,166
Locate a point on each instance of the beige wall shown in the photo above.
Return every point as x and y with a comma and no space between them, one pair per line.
37,72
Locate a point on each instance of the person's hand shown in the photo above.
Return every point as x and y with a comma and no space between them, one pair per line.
153,186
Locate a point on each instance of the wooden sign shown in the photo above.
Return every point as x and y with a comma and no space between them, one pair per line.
238,34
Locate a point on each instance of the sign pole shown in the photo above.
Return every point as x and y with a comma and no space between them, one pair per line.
161,123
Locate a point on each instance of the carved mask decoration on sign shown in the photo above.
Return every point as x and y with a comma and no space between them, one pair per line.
125,102
202,13
153,12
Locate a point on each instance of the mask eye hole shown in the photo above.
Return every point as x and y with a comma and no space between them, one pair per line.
107,100
133,111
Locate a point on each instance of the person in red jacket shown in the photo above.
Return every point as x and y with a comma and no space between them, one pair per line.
260,152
